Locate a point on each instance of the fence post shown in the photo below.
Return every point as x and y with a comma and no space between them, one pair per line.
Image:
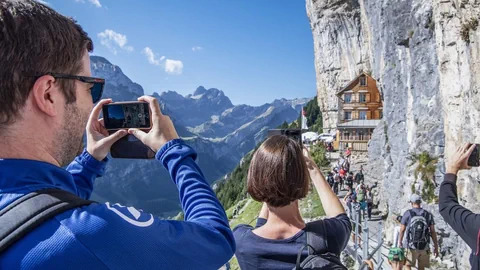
365,239
355,233
365,243
379,239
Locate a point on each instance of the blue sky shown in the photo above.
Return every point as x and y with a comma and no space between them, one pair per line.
253,50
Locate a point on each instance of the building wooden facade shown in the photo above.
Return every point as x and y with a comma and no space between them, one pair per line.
360,111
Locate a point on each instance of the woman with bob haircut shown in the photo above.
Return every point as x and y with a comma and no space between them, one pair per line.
279,175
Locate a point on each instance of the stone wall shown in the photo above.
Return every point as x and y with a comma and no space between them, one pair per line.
428,74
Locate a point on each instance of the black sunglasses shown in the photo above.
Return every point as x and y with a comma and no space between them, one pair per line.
96,90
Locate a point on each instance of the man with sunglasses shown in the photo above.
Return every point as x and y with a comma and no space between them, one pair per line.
47,98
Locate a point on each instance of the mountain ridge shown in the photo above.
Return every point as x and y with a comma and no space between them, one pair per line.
220,132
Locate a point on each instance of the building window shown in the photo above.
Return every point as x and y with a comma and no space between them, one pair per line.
348,98
363,81
348,116
363,98
363,115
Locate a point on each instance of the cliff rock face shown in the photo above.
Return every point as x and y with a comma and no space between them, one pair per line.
425,56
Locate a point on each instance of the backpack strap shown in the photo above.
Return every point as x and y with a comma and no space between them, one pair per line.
412,214
31,210
299,256
317,242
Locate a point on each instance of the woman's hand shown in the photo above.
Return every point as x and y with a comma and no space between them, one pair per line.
311,165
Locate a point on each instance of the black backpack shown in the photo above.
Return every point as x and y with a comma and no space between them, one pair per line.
31,210
349,181
317,258
418,236
330,179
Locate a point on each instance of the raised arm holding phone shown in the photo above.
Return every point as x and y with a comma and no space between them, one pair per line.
463,221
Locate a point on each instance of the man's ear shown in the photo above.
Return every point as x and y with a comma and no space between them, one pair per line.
46,95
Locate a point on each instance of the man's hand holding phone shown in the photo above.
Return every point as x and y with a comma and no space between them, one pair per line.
99,141
162,130
459,160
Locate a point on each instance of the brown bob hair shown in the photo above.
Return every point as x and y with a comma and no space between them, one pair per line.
278,174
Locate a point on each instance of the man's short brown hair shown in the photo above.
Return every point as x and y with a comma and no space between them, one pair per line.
278,174
34,40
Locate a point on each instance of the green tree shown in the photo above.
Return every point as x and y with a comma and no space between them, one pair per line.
313,115
319,155
284,125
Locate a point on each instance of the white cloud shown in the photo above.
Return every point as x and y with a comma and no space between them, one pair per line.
173,67
44,2
151,56
113,40
197,48
94,2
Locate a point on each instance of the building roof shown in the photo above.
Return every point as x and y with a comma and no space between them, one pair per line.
353,83
371,123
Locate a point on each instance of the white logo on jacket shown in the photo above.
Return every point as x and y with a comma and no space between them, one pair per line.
134,212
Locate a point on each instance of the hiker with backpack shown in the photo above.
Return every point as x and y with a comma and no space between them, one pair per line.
349,180
346,166
348,199
416,228
396,255
330,179
359,177
279,239
342,174
336,183
361,197
369,202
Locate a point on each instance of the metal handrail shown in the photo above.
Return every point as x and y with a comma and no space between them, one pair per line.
364,236
370,256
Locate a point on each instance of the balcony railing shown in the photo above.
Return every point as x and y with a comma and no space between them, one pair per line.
354,146
343,120
355,137
355,100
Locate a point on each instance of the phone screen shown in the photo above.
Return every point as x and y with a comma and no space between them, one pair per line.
126,115
474,158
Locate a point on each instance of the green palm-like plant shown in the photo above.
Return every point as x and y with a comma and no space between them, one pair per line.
426,167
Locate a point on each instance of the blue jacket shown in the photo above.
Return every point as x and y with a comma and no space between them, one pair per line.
112,236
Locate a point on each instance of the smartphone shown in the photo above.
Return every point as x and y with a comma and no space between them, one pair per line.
474,158
123,115
295,134
131,147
